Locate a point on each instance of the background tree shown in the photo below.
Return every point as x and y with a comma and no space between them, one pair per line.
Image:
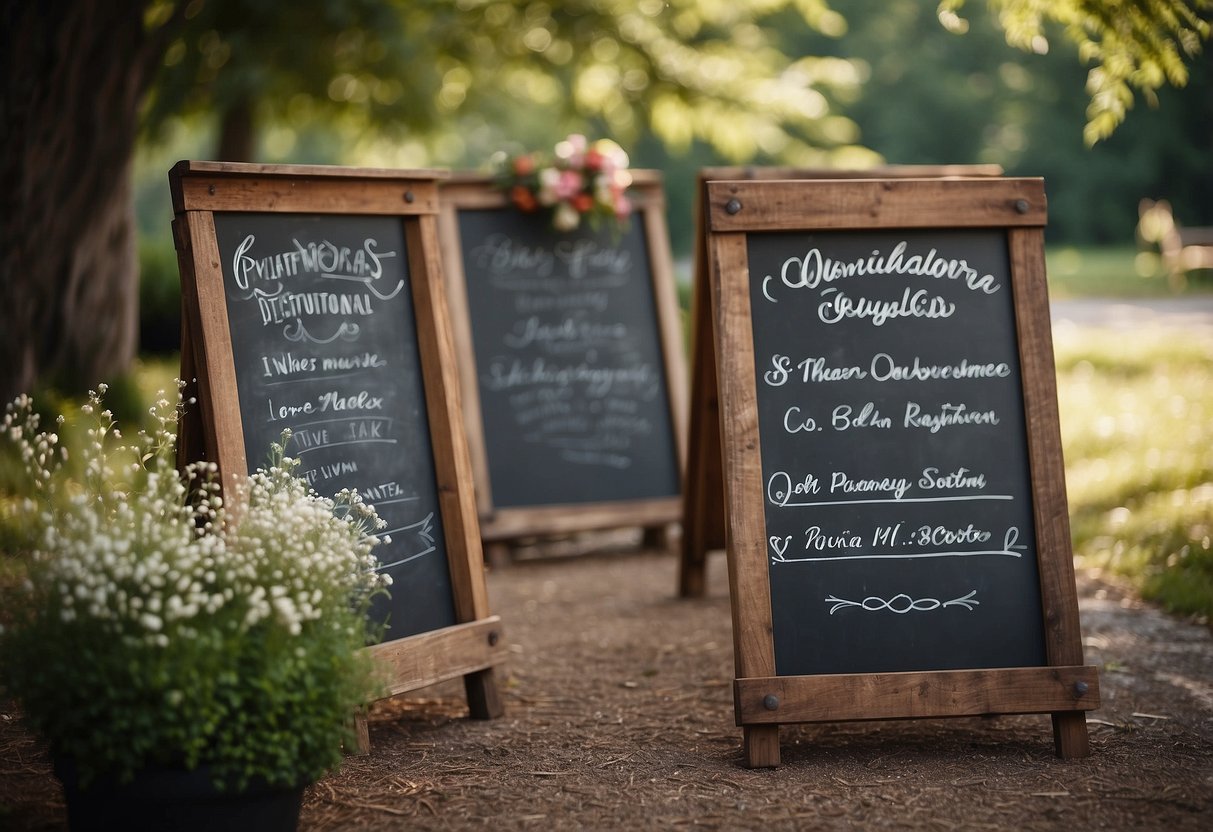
72,79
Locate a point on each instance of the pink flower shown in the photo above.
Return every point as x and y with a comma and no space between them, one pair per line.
571,151
569,184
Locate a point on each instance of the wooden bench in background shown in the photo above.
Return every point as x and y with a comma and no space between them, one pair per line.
1183,249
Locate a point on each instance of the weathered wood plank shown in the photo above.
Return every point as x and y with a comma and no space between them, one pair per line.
1063,637
428,658
509,523
207,325
227,186
749,585
940,693
875,204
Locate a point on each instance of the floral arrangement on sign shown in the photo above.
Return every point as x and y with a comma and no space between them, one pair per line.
145,628
580,179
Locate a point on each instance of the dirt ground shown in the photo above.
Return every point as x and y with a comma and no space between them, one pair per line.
619,716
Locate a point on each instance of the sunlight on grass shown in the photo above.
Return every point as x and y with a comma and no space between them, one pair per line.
1117,272
1137,428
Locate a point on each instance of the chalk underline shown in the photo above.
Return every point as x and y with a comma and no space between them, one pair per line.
350,442
383,566
391,502
894,500
315,378
918,556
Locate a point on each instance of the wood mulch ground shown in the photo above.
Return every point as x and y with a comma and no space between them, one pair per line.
620,717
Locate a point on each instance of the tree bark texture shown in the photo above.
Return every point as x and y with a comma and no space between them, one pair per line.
73,76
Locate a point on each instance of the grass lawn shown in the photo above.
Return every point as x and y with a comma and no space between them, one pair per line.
1114,272
1137,431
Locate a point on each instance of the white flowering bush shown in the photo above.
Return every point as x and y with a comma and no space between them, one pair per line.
149,624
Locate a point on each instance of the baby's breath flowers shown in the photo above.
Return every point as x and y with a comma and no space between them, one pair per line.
149,629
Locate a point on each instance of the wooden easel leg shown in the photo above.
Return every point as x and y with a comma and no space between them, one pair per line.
484,695
362,735
497,553
761,745
1070,735
655,537
703,512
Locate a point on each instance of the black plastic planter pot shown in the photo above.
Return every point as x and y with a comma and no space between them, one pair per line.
176,799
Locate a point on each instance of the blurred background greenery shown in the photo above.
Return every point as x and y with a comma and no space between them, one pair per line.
1111,101
682,85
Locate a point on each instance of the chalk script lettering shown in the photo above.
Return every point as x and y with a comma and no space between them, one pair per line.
314,258
334,400
505,374
585,257
838,306
932,479
781,489
943,536
501,255
818,541
949,415
845,418
367,360
286,364
843,483
796,422
286,411
287,306
568,331
885,368
813,270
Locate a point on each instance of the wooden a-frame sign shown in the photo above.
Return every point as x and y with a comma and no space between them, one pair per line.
534,305
703,485
313,300
897,531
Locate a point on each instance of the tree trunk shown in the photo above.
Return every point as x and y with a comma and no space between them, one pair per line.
236,132
72,76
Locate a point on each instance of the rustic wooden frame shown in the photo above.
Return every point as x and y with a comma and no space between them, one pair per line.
1064,687
200,190
703,483
468,192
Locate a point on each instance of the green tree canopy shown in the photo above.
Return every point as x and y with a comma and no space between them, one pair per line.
1131,44
451,75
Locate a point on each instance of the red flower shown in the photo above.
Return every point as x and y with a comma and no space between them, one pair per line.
583,202
594,159
524,165
523,198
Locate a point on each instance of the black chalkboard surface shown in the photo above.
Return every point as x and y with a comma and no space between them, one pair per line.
898,499
569,363
324,343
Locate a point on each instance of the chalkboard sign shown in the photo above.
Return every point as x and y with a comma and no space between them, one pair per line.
321,318
313,301
703,496
898,537
569,367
